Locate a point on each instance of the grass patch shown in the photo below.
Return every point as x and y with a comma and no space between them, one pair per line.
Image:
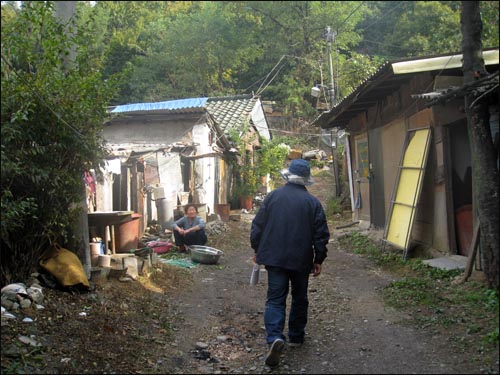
322,173
430,296
362,245
333,206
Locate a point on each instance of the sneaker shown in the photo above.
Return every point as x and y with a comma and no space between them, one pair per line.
293,344
273,356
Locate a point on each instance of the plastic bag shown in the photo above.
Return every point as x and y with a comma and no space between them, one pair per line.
65,266
254,277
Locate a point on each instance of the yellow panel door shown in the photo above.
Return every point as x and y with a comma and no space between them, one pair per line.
407,189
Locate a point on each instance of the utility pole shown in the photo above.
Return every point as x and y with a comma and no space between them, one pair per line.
330,36
65,13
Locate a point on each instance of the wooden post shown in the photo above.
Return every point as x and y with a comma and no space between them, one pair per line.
472,253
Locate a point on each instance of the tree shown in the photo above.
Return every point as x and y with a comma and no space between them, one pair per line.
65,15
51,122
484,155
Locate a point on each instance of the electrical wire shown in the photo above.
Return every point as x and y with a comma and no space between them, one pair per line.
393,8
268,74
349,16
272,79
287,131
260,89
482,95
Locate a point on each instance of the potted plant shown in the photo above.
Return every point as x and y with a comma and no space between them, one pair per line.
247,186
255,162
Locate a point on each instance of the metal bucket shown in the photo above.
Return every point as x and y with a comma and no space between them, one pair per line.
205,254
95,251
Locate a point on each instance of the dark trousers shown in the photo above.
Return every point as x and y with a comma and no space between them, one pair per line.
193,238
279,280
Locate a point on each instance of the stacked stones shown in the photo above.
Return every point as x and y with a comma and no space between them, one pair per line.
216,227
18,296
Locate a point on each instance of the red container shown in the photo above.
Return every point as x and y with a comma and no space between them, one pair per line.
464,220
128,235
160,247
246,202
223,210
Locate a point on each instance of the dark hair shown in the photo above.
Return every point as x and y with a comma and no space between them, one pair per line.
186,208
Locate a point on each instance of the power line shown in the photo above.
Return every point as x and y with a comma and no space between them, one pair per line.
393,8
272,79
268,74
287,131
349,16
260,89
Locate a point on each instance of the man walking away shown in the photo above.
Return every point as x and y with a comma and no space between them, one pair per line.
289,235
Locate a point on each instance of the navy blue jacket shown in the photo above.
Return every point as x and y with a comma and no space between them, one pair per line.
290,229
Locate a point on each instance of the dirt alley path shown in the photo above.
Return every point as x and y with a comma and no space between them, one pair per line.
155,324
349,330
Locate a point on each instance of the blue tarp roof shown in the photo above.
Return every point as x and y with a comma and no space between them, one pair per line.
168,105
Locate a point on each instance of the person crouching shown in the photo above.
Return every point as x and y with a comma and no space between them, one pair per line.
190,229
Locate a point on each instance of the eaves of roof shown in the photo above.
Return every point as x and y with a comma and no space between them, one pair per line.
189,105
229,112
382,83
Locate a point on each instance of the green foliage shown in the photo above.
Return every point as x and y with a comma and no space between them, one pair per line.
167,50
292,142
333,206
271,157
431,27
418,28
51,118
244,170
252,165
490,17
315,163
363,245
170,50
409,28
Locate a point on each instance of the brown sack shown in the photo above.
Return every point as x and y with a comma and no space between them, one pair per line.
65,266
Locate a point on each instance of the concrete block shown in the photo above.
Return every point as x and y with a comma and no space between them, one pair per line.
450,262
130,263
235,217
99,275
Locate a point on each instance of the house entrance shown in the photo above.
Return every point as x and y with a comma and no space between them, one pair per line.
461,175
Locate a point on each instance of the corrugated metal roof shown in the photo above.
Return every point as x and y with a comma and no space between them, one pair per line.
490,57
381,83
171,105
228,111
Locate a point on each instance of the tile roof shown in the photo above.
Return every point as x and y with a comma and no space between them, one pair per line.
228,111
232,111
